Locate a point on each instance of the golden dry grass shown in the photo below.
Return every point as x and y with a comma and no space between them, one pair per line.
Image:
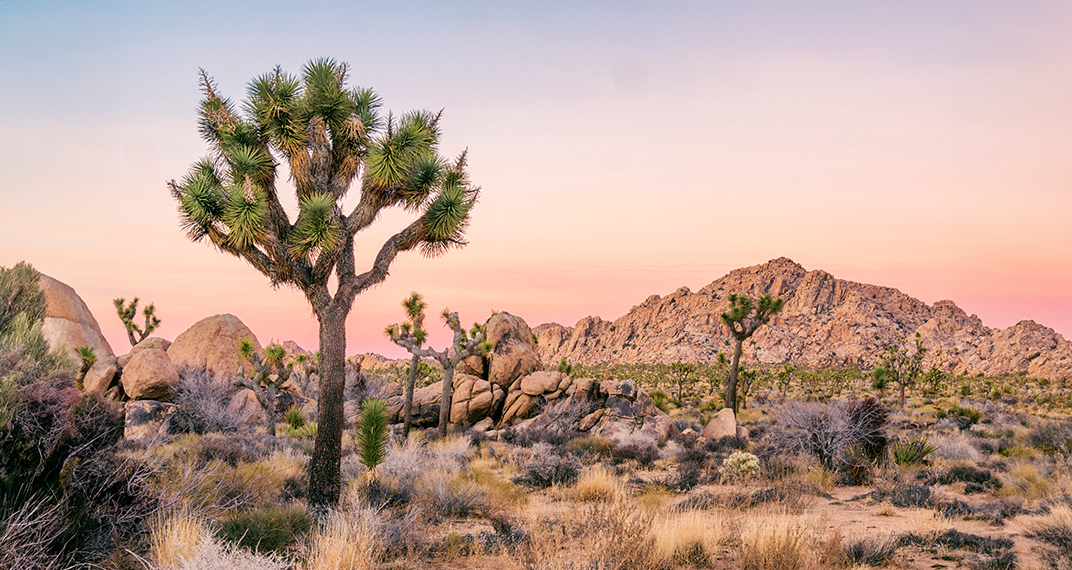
775,541
174,538
598,484
345,541
689,538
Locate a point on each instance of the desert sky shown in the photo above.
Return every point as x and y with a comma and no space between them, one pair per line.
624,149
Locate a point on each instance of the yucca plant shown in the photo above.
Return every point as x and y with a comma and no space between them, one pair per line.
372,433
912,451
333,137
88,358
294,416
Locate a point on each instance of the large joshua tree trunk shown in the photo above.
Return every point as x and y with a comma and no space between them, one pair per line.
324,474
731,386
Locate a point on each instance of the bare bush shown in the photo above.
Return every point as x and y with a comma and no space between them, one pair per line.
206,401
26,535
547,468
842,435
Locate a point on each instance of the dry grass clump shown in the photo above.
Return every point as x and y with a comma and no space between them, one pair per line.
599,484
25,535
608,536
345,541
1025,480
956,446
689,538
211,555
775,541
1055,530
448,495
175,538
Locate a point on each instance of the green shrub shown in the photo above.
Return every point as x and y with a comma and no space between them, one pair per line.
661,400
306,431
294,416
268,528
592,445
912,451
965,417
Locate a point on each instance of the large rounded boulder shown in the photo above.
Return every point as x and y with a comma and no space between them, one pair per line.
69,323
513,355
212,343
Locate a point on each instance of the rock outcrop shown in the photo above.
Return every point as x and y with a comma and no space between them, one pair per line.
825,322
69,323
149,375
212,343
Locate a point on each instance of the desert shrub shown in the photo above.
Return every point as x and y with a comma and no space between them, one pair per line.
1024,479
964,417
912,450
27,534
641,450
740,466
1055,532
267,528
211,555
998,552
450,454
779,542
592,445
725,445
782,496
904,495
205,402
687,475
961,473
503,495
598,484
842,435
232,449
446,495
956,447
1051,438
546,469
306,431
660,400
871,551
351,540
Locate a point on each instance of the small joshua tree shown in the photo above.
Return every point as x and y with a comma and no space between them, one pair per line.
785,378
464,345
372,433
269,375
681,371
89,358
900,367
742,324
128,312
412,333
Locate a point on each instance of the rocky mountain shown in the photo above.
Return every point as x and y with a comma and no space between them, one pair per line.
825,322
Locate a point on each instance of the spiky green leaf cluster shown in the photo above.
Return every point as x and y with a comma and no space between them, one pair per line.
372,433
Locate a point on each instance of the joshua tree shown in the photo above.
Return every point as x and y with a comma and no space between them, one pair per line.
900,367
332,138
128,312
410,334
88,358
463,346
269,375
785,377
681,372
742,324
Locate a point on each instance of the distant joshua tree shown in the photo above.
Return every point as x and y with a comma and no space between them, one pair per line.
128,312
410,334
900,367
464,345
269,375
742,324
681,371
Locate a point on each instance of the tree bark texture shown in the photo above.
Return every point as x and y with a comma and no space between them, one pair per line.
444,405
324,474
731,386
407,410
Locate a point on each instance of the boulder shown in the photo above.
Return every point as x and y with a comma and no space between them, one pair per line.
212,343
471,399
542,382
149,375
513,355
724,424
69,323
149,419
151,342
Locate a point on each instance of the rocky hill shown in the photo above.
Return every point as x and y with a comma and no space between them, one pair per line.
825,322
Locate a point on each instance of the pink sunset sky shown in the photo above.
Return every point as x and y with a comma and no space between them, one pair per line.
623,148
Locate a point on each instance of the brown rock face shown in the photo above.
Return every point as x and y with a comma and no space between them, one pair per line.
212,343
514,353
149,375
68,322
724,424
825,322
